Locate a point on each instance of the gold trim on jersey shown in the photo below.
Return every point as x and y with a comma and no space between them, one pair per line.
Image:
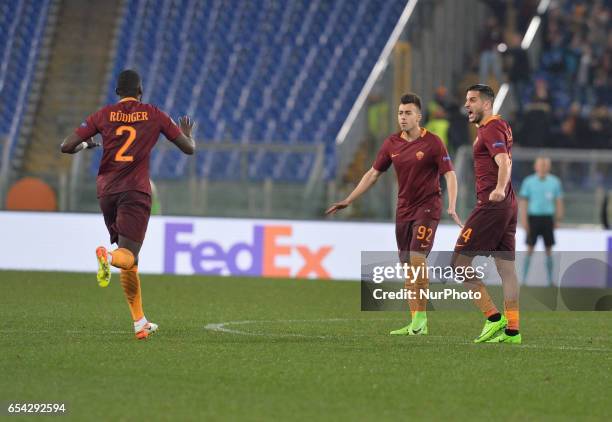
422,134
490,119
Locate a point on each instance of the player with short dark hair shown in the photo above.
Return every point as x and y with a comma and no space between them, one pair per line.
129,131
491,227
411,98
419,158
128,84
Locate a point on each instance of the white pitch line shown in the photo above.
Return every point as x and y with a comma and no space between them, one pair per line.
221,327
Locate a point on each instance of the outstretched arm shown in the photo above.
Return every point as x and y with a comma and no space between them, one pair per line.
367,181
184,141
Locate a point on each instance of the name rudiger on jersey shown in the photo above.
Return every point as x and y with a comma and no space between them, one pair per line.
119,116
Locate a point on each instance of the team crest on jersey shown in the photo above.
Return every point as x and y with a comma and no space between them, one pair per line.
420,155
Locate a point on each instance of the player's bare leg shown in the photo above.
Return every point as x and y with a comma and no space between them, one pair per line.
495,321
510,284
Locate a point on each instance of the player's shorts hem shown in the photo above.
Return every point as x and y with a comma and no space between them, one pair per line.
505,255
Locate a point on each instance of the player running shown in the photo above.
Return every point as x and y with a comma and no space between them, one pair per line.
129,132
419,158
491,227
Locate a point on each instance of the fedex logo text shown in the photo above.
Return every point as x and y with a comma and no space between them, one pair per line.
209,257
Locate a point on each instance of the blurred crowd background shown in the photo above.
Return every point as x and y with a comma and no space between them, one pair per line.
292,98
562,96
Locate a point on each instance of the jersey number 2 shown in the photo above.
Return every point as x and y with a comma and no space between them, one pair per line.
120,156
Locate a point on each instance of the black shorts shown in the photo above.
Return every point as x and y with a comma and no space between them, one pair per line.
541,225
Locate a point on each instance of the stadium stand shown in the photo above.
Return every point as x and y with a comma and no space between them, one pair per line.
266,72
572,85
74,74
21,28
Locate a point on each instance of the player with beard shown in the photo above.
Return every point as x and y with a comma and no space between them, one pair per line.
491,227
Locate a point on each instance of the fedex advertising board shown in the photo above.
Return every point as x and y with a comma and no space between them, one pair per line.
222,246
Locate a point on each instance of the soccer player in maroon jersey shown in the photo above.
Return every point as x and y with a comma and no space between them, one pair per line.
419,158
491,227
129,132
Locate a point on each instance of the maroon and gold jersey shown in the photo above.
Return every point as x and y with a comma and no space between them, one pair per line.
129,132
418,165
494,137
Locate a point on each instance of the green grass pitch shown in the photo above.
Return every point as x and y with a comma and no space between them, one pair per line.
260,349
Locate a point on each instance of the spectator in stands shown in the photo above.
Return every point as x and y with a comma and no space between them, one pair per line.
574,129
537,119
565,104
600,129
457,123
553,59
517,64
601,87
572,57
597,23
583,92
437,121
490,60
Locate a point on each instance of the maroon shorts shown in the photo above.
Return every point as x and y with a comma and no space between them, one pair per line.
415,236
489,232
126,214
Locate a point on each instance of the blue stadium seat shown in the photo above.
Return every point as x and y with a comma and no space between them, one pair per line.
22,25
254,72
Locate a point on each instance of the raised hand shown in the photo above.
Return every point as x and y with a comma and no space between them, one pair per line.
186,125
